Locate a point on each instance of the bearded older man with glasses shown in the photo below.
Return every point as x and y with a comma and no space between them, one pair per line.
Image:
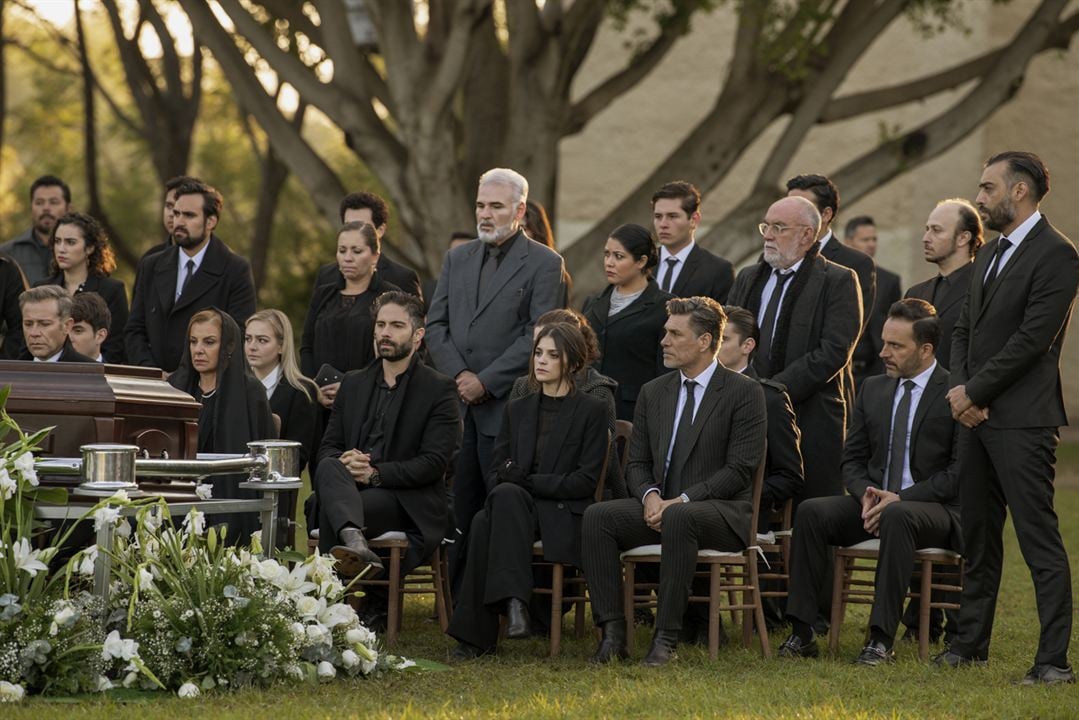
810,314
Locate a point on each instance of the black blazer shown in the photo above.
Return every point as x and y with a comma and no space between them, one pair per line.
67,355
422,432
300,418
114,294
569,470
704,274
726,445
784,474
864,268
933,447
12,283
629,342
869,346
157,327
1006,344
948,306
357,333
396,274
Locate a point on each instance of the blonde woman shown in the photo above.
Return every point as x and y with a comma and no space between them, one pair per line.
271,352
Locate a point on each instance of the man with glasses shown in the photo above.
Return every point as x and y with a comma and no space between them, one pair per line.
810,313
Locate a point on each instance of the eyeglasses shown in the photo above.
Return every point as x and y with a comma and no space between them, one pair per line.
777,228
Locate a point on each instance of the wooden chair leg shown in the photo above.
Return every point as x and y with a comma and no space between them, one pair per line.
439,583
578,615
715,582
924,610
627,600
839,586
732,595
393,609
556,609
758,609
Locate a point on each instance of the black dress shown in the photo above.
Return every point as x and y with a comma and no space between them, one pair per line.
300,418
339,329
114,294
234,414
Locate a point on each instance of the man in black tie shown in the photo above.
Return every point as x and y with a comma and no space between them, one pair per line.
1006,351
809,312
175,283
698,435
899,468
685,268
953,236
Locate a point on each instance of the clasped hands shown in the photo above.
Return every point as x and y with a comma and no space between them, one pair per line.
358,465
873,503
963,408
654,506
470,388
511,472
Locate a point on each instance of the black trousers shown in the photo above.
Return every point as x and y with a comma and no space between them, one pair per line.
1011,468
469,492
618,525
499,564
344,503
905,526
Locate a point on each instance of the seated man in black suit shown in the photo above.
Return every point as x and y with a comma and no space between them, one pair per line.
899,468
392,431
370,208
698,436
46,321
685,268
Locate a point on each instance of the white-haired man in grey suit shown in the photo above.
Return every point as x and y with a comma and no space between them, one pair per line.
479,327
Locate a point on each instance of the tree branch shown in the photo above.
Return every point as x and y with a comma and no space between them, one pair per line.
451,67
169,57
883,98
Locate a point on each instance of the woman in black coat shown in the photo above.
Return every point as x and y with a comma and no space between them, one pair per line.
234,411
628,316
339,329
546,466
81,262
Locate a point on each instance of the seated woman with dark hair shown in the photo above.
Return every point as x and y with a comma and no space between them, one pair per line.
546,465
234,411
81,262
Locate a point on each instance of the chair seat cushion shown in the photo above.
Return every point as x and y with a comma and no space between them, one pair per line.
945,552
391,535
651,550
871,544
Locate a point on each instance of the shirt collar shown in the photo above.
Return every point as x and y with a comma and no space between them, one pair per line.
1021,232
793,268
704,377
824,240
922,378
100,358
681,255
54,358
272,378
197,257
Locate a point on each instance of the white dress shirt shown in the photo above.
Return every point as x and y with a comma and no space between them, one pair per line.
920,381
54,358
270,381
681,256
824,240
769,288
181,270
1017,236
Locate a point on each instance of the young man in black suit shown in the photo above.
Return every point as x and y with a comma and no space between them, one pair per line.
393,429
899,468
809,313
698,436
953,236
860,233
1006,350
175,283
370,208
46,321
685,268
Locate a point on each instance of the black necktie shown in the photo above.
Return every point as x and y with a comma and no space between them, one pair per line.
666,284
187,278
681,436
491,259
764,353
899,440
1002,247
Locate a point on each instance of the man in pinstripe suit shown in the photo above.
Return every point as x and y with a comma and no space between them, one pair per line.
698,435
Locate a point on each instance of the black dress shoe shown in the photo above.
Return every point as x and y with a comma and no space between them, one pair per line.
662,650
1045,674
612,646
874,654
518,622
354,556
464,652
948,658
793,647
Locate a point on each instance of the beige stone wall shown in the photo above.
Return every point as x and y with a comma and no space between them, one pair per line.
626,141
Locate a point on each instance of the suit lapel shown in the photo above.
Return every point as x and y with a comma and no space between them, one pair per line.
709,400
524,438
1014,260
356,419
473,266
389,423
668,404
887,403
165,279
513,262
690,267
206,278
558,433
934,388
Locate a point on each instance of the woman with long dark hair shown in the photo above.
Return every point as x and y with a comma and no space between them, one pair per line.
81,262
546,466
628,316
234,411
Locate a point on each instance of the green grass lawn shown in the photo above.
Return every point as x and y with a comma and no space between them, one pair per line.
521,682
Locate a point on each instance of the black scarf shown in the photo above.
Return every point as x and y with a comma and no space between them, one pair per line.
798,284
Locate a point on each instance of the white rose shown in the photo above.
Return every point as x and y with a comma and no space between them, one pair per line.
294,672
64,617
326,671
205,491
10,692
298,630
316,634
307,606
188,690
350,659
359,636
119,648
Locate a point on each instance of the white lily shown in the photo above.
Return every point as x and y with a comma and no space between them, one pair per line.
105,516
119,648
25,465
195,522
120,496
294,583
26,559
205,491
337,614
8,486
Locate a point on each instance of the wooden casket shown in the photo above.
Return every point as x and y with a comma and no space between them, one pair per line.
94,403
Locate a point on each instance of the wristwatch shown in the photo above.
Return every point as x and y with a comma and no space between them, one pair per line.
375,479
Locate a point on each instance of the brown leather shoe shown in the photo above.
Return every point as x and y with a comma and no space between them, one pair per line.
354,556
